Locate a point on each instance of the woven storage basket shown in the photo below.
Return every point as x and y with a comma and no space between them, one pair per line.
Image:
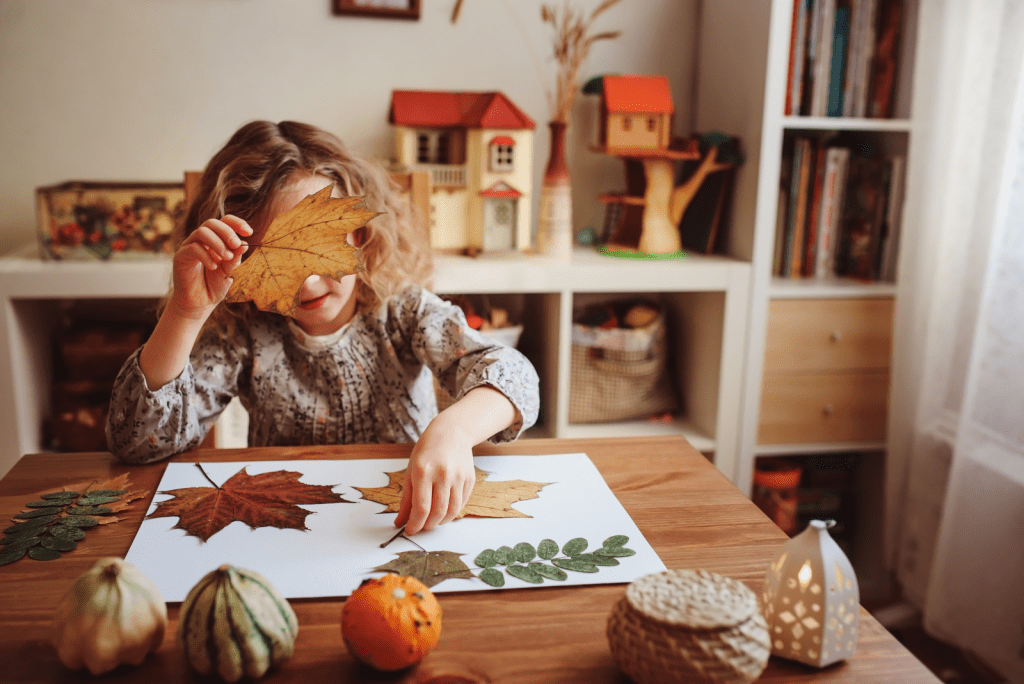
689,626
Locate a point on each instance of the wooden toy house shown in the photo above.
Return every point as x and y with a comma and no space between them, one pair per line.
636,126
636,112
477,148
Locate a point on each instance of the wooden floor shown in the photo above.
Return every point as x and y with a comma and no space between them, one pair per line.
948,663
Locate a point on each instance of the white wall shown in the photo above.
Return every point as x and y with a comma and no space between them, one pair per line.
145,89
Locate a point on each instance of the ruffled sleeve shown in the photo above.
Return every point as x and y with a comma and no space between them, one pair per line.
146,425
462,359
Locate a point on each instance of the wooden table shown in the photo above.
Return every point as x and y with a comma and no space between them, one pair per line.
689,512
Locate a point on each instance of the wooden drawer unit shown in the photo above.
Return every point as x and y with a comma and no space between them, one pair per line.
823,407
828,334
826,372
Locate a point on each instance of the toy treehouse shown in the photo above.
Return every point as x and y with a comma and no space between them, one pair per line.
636,125
477,149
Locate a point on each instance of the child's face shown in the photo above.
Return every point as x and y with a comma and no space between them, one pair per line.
325,304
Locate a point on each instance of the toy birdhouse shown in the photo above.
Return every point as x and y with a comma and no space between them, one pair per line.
477,148
636,125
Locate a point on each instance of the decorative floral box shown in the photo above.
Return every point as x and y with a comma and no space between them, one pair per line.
99,220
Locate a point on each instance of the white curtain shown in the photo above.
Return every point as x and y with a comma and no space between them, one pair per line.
955,468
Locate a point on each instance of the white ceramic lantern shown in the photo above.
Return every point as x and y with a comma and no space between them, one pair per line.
811,600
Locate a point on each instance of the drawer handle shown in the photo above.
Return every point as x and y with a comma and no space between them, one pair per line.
828,409
835,336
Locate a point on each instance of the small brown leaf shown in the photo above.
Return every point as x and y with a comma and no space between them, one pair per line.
488,500
429,567
309,239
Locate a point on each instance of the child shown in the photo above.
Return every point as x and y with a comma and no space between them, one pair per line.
355,362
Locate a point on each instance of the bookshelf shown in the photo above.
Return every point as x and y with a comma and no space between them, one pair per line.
745,79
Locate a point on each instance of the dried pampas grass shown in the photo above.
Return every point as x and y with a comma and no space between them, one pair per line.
571,46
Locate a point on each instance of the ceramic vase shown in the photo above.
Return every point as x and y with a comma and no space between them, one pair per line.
554,223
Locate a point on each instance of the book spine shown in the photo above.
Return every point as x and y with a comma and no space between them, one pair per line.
883,75
823,59
814,213
800,219
893,219
840,38
865,57
788,105
799,56
836,159
794,196
810,65
852,46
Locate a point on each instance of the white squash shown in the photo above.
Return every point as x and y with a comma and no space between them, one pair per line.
113,614
234,622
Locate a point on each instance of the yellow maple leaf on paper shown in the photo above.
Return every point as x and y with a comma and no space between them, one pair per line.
488,500
309,239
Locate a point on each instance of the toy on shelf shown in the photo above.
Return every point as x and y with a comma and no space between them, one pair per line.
477,148
636,125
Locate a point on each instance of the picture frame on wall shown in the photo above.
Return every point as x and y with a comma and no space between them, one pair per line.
385,9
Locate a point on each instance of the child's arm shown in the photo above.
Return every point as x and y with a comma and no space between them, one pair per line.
201,274
440,476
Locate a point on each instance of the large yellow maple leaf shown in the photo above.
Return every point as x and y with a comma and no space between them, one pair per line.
309,239
488,499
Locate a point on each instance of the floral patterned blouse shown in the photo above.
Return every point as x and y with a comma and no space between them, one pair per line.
371,381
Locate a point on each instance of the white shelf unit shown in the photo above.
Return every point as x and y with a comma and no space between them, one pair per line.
745,49
706,297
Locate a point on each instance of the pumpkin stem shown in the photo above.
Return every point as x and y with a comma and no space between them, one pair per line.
111,571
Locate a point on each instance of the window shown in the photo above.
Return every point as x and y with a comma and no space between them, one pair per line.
502,158
652,124
432,147
627,123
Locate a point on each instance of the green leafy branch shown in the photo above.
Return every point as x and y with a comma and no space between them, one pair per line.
519,562
55,524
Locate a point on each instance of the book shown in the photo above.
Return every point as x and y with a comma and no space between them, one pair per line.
856,8
893,218
798,55
813,213
862,215
814,31
833,192
780,228
840,38
826,15
865,55
884,64
799,211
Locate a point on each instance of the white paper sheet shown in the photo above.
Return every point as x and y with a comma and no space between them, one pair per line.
342,545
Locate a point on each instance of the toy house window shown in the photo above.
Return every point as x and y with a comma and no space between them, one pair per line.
432,147
652,124
627,123
503,157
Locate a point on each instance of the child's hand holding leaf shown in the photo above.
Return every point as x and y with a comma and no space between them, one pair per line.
204,262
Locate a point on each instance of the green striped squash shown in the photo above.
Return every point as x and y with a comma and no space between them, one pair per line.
233,623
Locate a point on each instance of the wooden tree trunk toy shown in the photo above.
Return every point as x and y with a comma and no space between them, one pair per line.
662,202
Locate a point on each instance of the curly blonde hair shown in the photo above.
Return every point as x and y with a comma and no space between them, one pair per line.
262,158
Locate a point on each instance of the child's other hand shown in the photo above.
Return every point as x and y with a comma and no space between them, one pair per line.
439,479
204,262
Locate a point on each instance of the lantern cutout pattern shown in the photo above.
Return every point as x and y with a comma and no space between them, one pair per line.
811,600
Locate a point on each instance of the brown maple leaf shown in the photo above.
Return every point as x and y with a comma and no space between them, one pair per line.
264,500
429,567
121,483
309,239
488,500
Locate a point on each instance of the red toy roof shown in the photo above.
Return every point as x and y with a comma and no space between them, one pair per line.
445,109
637,94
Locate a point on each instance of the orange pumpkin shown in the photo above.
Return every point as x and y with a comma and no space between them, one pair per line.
391,622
